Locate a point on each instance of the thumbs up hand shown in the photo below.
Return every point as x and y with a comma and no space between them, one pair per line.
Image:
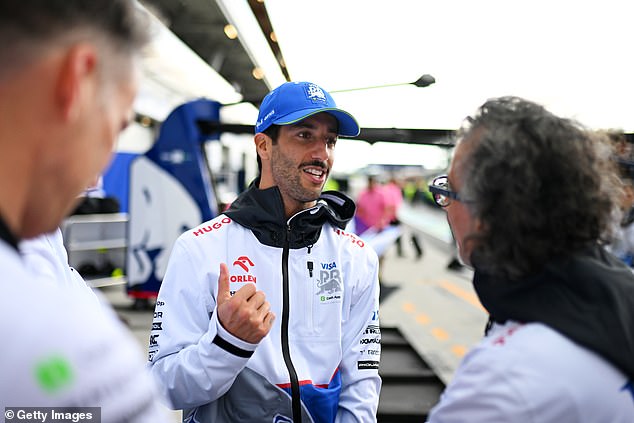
246,314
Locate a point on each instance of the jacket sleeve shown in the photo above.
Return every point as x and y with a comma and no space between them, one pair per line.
82,356
488,387
193,359
361,348
478,395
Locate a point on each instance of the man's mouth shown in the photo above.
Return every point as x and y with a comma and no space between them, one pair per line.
317,174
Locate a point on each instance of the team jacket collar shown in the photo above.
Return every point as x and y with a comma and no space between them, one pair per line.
588,297
262,211
7,236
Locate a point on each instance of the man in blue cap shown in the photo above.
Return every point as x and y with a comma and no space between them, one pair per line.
269,312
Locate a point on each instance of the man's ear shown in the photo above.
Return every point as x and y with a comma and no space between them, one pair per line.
480,226
76,74
263,145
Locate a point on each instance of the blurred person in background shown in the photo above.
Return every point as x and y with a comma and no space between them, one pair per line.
373,210
394,196
622,243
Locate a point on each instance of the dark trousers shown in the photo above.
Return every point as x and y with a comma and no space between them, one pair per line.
417,247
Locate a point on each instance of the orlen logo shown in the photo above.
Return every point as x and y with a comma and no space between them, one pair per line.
244,262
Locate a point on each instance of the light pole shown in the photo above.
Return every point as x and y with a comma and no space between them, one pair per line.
424,81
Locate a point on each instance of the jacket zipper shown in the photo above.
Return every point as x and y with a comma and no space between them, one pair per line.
309,264
295,394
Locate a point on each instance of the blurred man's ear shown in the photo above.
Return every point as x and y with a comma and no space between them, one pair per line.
480,227
75,83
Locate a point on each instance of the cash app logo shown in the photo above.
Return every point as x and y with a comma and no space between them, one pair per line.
53,373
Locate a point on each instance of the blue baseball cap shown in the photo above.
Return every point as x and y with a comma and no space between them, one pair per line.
294,101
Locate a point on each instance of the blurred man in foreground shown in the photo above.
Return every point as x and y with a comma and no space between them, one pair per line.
68,77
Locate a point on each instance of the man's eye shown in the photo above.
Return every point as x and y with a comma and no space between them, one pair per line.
332,142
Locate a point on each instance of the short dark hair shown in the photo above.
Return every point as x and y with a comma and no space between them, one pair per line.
272,132
543,186
28,24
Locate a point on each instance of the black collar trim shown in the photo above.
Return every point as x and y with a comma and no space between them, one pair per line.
587,296
7,236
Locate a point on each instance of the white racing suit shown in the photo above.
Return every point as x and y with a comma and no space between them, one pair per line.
324,346
61,348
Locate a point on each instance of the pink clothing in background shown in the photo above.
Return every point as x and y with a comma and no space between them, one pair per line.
372,209
393,199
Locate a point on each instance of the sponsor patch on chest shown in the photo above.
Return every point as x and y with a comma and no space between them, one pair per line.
329,284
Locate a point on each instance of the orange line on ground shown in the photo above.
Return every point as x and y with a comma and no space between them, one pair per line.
467,296
422,318
440,334
408,307
459,350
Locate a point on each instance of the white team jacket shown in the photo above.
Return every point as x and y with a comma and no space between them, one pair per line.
332,342
529,373
61,349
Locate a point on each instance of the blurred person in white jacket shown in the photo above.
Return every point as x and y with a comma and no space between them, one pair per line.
68,77
46,256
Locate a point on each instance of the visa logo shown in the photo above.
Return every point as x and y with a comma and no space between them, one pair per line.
328,266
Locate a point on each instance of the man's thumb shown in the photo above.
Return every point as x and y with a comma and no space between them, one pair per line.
223,294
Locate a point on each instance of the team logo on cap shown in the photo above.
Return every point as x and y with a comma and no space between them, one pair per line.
315,93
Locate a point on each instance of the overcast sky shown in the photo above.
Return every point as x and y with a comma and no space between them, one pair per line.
575,57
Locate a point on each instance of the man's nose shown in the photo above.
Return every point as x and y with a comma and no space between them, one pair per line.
321,151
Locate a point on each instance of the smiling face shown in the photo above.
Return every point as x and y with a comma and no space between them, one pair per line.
300,161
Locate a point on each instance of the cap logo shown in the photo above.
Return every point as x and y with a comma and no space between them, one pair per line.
265,118
315,93
269,114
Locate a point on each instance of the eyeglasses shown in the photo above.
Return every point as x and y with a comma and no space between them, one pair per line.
439,188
